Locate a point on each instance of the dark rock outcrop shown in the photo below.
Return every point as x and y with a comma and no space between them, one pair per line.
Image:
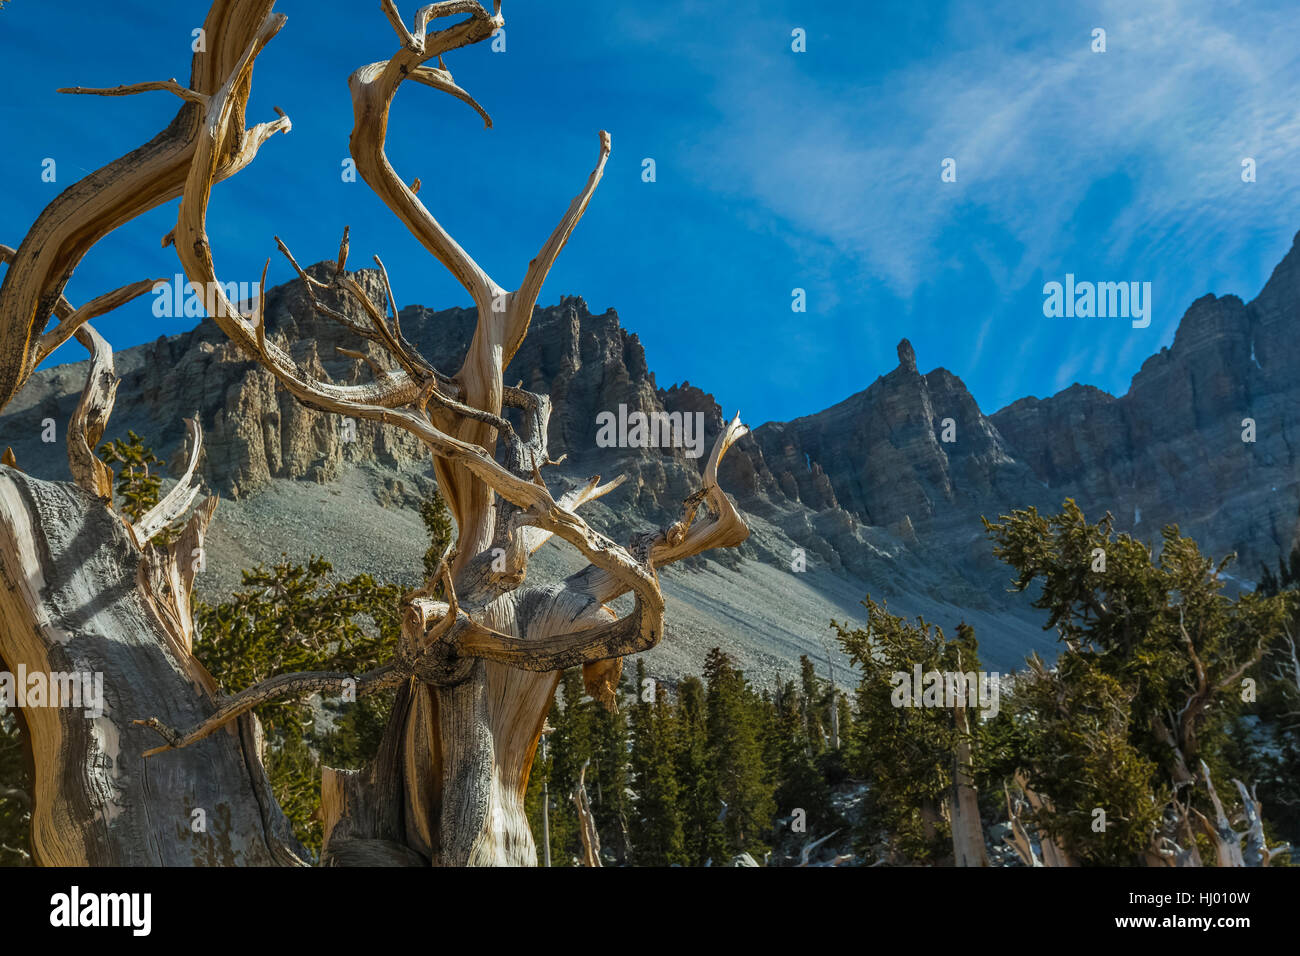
888,485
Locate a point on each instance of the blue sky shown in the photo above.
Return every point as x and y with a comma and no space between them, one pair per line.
775,170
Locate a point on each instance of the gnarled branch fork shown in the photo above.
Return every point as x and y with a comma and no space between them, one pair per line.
1227,842
84,590
401,397
91,208
72,318
475,672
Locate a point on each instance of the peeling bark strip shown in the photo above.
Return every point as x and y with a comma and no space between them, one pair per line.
475,672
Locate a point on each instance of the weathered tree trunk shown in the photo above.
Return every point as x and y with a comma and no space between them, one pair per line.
586,822
1018,839
84,594
78,598
1052,854
967,831
1227,842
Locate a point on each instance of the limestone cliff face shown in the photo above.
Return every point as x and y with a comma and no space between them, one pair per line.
1171,449
910,448
255,431
889,484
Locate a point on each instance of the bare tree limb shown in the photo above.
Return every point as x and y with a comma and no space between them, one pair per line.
522,302
169,86
284,686
1227,842
71,318
373,88
90,417
178,500
91,208
96,307
586,821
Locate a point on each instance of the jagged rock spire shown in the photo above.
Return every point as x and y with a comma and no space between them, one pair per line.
906,356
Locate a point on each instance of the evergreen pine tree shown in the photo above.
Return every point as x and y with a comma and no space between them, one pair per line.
571,746
741,779
656,823
904,753
812,704
1149,684
800,784
607,779
137,489
541,789
698,798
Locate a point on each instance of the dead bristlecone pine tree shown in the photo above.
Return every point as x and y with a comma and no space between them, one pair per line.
85,590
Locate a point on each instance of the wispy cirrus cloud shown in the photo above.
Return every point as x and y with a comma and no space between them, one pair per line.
817,170
1034,119
1125,162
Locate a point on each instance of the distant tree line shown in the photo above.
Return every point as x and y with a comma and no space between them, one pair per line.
691,774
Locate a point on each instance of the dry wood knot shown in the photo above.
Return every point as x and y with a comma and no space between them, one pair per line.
438,665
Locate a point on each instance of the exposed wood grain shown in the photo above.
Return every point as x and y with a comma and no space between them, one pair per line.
72,601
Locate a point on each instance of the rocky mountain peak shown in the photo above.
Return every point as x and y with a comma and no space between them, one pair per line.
906,356
887,486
